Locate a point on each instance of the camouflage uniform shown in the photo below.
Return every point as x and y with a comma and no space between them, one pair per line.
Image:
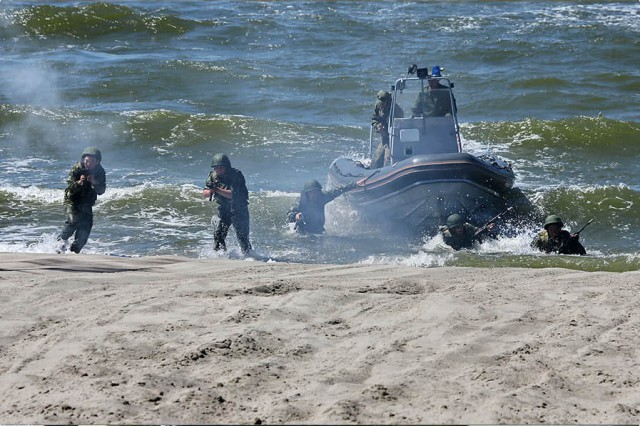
563,243
234,211
434,102
79,200
463,241
313,217
380,121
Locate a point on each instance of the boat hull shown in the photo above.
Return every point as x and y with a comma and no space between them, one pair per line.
418,194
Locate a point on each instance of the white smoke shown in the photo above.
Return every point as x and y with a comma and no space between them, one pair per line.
33,84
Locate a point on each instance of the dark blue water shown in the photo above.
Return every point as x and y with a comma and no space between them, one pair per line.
286,87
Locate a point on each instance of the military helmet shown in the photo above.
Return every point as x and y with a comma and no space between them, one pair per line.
220,160
551,219
383,94
92,151
312,185
455,220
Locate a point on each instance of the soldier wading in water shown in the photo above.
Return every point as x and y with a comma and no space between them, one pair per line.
227,187
87,179
554,239
308,211
459,234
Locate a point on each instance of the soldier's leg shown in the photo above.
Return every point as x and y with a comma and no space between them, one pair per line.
387,155
70,224
385,137
82,233
378,157
223,222
220,233
241,225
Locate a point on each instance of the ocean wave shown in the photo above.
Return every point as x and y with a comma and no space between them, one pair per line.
162,129
143,195
97,20
31,194
595,134
604,202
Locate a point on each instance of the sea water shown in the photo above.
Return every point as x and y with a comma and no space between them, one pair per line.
284,88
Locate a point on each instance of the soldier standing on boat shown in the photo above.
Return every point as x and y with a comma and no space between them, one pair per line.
554,239
434,102
87,179
380,122
308,211
227,187
460,234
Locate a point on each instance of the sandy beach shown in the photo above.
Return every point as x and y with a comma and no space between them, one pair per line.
100,339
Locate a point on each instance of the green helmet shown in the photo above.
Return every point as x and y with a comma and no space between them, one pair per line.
312,185
221,160
92,151
551,219
382,95
455,220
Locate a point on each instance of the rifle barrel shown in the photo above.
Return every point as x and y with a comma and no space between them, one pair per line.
496,217
585,225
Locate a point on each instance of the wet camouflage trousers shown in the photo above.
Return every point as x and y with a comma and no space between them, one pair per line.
239,219
79,221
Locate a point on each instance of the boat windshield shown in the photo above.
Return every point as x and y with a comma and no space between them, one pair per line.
429,97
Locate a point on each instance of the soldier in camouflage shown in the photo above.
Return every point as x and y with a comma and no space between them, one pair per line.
227,187
308,211
554,239
86,180
434,102
380,122
462,235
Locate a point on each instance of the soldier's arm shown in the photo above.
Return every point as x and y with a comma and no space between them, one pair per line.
293,212
214,186
75,180
207,192
226,193
335,193
537,243
98,181
239,186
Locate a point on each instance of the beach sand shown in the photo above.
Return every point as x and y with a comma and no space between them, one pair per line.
101,339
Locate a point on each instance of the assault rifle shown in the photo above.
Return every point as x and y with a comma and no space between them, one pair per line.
86,173
574,237
492,220
582,229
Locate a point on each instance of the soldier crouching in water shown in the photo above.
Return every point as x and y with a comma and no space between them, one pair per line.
459,234
87,179
227,187
308,211
554,239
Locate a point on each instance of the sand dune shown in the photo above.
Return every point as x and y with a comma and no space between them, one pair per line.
99,339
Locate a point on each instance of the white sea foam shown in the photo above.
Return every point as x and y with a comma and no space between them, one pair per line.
33,193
